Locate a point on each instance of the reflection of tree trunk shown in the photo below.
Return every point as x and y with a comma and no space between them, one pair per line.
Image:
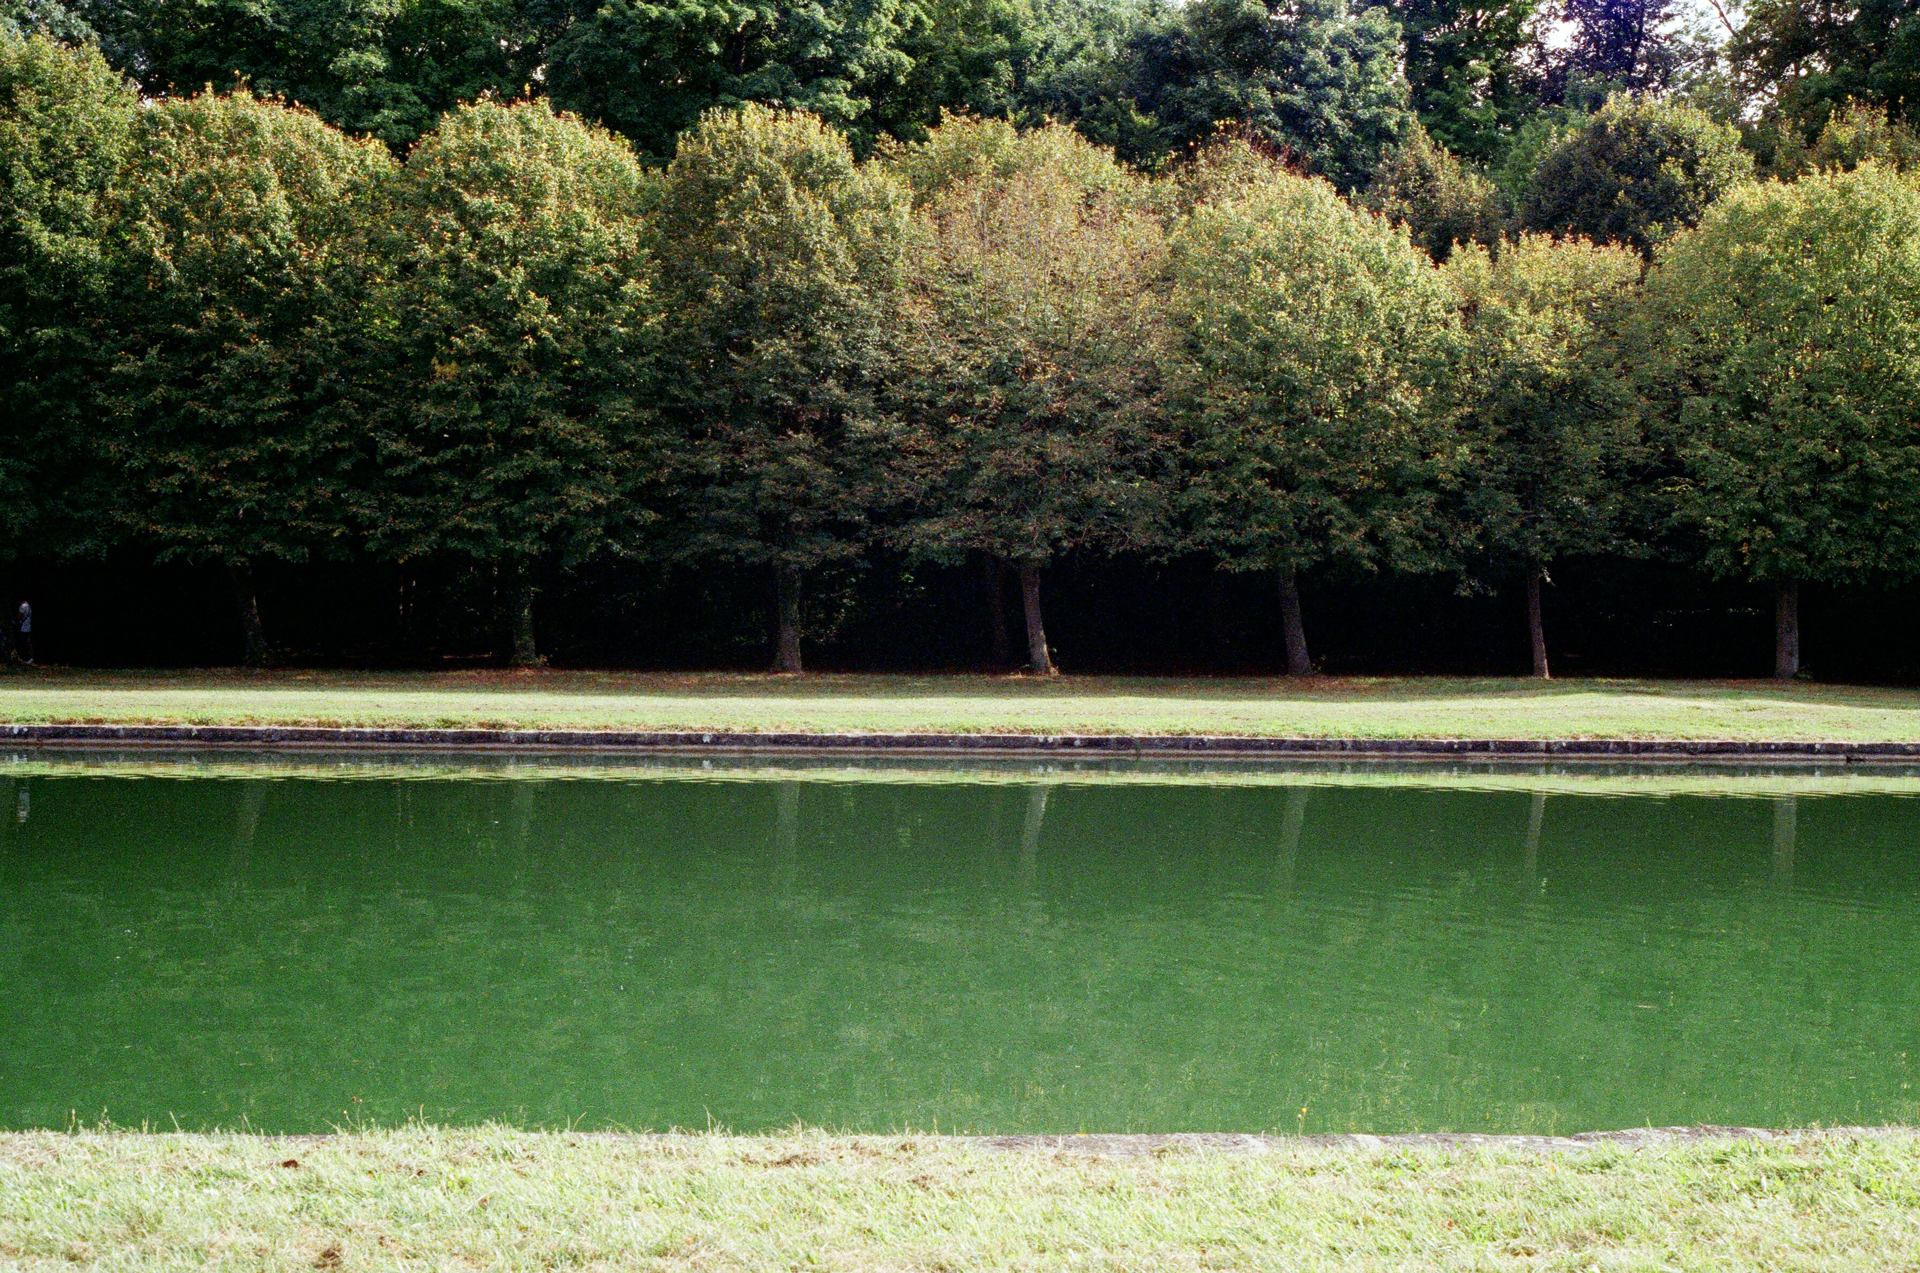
786,836
1038,659
1292,627
993,573
1287,854
786,603
1536,818
1786,832
1786,631
246,829
1030,837
1536,627
246,605
523,796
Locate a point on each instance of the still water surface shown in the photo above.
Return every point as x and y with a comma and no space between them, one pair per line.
1015,951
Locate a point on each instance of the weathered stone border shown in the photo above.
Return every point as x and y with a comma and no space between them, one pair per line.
1148,1144
300,737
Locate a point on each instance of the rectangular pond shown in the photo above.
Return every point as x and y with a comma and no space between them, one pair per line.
292,944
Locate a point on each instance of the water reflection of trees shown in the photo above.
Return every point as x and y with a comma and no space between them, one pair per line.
1039,956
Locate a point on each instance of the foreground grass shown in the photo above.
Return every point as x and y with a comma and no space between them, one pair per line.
493,1198
1389,708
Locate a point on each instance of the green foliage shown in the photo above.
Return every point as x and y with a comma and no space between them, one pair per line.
1466,68
1634,173
385,69
780,285
520,338
1862,134
1312,338
66,122
1423,186
239,224
649,68
1814,57
1551,434
1032,399
1788,330
1314,79
52,18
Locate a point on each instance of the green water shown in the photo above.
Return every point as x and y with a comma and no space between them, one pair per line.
294,948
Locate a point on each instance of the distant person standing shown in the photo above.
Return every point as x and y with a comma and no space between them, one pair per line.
26,631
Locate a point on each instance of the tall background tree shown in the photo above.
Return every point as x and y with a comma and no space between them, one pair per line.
517,430
1789,369
1316,79
1467,65
239,225
649,69
384,69
1312,340
1032,404
780,280
1548,424
1810,58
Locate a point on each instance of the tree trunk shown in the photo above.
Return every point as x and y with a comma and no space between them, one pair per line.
1295,631
517,583
994,571
1037,657
246,604
786,607
1786,631
1536,628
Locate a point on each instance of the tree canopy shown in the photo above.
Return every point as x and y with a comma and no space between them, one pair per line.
239,228
780,281
1548,420
517,312
1634,173
1312,339
1032,427
1789,369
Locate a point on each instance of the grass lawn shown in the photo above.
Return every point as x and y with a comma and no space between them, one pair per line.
1428,707
493,1198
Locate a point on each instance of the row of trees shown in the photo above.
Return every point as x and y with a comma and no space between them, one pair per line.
1332,81
232,334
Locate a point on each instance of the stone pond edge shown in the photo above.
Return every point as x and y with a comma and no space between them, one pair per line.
1121,1144
297,737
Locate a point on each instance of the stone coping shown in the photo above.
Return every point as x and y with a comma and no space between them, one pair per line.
297,737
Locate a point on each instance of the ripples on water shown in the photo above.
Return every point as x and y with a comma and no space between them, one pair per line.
994,948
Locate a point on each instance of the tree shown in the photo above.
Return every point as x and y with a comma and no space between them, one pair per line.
1466,68
780,277
385,69
1861,134
517,430
66,125
1032,399
240,224
1634,173
1315,79
1311,338
1548,422
1789,342
1617,45
54,19
1814,57
650,68
1423,186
